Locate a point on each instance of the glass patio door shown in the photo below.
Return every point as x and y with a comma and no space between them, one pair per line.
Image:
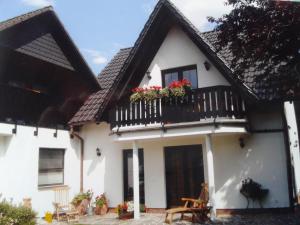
184,173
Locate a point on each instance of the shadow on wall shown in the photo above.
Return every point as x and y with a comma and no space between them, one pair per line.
233,164
4,144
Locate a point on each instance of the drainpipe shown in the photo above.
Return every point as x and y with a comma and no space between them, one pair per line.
75,134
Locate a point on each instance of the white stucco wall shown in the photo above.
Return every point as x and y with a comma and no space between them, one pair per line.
262,159
19,165
178,50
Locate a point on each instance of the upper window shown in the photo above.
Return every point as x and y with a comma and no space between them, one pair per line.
180,73
51,166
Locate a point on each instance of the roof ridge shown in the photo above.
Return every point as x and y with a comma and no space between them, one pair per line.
209,31
21,18
125,48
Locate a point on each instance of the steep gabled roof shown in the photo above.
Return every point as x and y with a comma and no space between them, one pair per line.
11,33
164,16
107,78
19,19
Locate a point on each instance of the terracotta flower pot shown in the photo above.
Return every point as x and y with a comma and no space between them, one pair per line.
101,210
126,216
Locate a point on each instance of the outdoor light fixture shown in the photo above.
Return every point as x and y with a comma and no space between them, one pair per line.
207,65
148,75
98,152
242,143
55,133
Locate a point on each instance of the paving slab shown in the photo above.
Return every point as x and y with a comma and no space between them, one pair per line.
155,219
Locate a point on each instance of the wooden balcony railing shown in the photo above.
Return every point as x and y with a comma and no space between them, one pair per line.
199,104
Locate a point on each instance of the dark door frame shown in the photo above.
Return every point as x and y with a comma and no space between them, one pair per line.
194,146
125,154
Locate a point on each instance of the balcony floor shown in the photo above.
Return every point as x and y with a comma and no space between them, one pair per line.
203,127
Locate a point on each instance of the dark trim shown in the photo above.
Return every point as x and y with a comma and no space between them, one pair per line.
43,171
186,189
222,212
126,154
179,70
290,174
278,130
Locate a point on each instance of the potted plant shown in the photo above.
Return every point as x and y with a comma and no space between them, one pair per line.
151,93
101,205
82,201
125,210
180,88
138,94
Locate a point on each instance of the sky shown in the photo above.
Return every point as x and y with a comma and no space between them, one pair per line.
100,28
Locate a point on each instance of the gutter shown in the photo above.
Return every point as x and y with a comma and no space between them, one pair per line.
75,134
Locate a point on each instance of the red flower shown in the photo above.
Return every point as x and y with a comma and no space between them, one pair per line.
137,90
155,88
186,82
179,84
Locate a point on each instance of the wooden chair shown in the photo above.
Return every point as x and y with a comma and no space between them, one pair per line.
63,209
197,207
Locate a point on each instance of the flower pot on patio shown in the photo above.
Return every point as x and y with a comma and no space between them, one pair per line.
126,216
101,210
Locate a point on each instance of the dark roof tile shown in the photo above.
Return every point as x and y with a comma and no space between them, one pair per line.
19,19
106,78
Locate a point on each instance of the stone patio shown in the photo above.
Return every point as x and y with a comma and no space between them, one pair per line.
155,219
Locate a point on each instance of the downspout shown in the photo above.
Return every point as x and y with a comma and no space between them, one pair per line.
75,134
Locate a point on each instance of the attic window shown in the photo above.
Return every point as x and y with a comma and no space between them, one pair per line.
180,73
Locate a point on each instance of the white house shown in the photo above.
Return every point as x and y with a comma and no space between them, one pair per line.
225,130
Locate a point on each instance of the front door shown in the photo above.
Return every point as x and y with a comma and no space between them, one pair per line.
184,173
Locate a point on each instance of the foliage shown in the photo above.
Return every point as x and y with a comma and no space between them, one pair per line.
127,207
151,93
121,208
15,215
265,36
81,196
138,94
101,200
165,92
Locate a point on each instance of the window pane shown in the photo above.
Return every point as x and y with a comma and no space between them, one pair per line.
50,178
51,159
51,166
191,75
170,77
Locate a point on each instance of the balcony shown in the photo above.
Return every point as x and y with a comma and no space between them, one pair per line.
203,104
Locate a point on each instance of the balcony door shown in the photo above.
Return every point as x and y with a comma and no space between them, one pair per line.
184,173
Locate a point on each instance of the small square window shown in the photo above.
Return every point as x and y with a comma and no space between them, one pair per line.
51,167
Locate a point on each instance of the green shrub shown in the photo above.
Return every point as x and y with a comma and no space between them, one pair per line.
15,215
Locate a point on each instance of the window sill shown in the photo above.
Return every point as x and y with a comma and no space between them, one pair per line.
50,187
